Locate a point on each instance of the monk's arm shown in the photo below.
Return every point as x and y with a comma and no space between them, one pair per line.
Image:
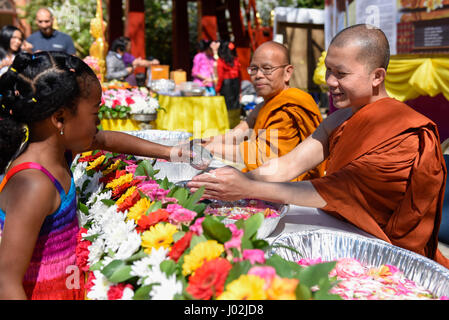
230,184
305,156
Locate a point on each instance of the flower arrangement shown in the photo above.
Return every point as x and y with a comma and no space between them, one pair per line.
92,62
146,238
121,103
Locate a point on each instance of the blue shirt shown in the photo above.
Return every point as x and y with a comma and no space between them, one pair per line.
58,41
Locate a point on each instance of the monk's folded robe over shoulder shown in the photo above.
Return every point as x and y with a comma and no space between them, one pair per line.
386,175
282,123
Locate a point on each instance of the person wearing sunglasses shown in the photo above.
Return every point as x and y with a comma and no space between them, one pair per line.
276,126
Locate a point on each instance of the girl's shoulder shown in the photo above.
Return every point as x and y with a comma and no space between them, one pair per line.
30,189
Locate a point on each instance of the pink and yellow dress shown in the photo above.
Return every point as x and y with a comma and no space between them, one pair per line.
52,273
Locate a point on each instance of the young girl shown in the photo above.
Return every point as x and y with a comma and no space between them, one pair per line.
48,105
229,77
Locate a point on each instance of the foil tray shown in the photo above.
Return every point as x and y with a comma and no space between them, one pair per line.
333,245
165,137
268,225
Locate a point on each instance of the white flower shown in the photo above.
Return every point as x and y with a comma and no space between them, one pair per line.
116,231
128,294
100,288
128,247
96,250
146,267
168,288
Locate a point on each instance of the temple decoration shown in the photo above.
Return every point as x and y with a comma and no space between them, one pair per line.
99,47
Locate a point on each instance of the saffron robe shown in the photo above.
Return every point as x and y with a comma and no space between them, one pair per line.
281,124
386,175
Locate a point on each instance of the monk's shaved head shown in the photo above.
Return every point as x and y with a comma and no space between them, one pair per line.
374,48
276,46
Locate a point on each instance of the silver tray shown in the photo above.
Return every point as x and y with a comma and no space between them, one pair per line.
333,245
268,225
165,137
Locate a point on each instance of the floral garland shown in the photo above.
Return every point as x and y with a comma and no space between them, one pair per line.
143,238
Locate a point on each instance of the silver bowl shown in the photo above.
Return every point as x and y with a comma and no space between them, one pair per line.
333,245
268,225
144,117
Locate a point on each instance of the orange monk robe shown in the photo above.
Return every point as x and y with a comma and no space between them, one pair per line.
281,124
386,175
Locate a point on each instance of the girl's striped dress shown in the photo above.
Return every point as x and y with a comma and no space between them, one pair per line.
52,273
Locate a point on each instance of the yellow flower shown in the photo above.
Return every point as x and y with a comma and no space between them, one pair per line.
111,168
120,180
202,252
246,287
160,235
282,289
128,193
139,209
96,162
87,153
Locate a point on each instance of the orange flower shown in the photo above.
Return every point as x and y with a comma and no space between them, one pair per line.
209,279
153,218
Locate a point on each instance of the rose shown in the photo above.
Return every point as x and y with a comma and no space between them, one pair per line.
347,268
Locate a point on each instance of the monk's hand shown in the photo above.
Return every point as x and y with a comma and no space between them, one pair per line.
224,183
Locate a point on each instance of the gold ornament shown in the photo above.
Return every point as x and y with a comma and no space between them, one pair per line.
99,47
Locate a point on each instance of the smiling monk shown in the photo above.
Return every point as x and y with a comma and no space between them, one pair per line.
386,173
286,117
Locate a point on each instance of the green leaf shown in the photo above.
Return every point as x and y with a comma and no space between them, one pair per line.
311,275
144,169
252,224
137,256
143,293
237,270
303,292
197,239
83,208
108,202
122,274
181,195
164,184
284,268
216,230
178,235
156,205
193,199
112,267
168,266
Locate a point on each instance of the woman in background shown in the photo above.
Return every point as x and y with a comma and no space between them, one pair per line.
11,42
203,66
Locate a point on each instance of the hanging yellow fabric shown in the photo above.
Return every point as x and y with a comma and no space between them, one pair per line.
407,78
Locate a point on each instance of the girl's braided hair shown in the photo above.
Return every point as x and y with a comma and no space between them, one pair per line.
33,88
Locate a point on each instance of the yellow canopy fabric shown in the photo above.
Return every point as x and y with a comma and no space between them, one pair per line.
407,78
120,124
202,116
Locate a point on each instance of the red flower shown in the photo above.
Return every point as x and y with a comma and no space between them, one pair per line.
129,100
180,246
129,202
82,251
117,192
115,103
146,221
208,280
116,292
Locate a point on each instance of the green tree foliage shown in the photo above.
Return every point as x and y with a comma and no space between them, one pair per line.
72,17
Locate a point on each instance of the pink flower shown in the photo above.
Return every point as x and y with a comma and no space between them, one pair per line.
178,214
197,228
347,268
309,261
267,273
236,239
131,168
129,100
254,255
